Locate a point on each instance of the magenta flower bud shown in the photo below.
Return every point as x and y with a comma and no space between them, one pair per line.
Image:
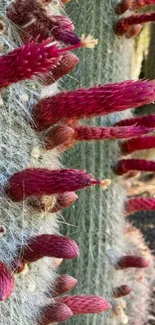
50,246
64,200
126,165
131,261
6,282
21,12
140,143
140,204
54,314
134,31
88,133
146,120
124,24
66,64
137,4
83,304
123,6
121,291
58,136
63,284
18,266
37,182
87,103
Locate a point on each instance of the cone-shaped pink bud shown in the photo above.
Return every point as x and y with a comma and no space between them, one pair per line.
63,284
22,12
64,200
37,182
57,136
65,65
52,314
6,282
134,31
140,204
50,246
123,25
85,304
146,120
123,6
131,261
140,143
142,3
126,165
121,291
100,100
88,133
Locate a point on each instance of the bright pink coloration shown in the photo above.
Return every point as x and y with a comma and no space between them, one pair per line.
37,182
63,284
123,6
54,313
88,133
123,25
91,102
142,3
126,165
140,143
6,282
140,204
146,120
57,136
121,291
65,65
64,200
22,12
59,28
85,304
50,246
134,31
131,261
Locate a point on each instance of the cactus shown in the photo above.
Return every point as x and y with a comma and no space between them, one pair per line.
34,186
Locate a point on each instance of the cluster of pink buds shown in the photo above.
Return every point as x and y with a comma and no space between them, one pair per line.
131,25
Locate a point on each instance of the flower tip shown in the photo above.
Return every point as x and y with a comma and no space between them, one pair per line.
88,41
105,183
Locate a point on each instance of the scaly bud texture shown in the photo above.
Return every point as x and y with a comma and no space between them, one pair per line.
6,282
85,304
123,6
36,182
139,204
126,165
140,143
63,201
142,3
51,246
146,120
121,291
123,25
54,313
131,261
63,284
92,102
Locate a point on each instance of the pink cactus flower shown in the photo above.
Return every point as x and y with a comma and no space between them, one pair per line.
146,120
127,261
63,284
96,101
140,204
126,165
50,246
124,24
37,182
85,304
54,313
140,143
121,291
123,6
6,282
